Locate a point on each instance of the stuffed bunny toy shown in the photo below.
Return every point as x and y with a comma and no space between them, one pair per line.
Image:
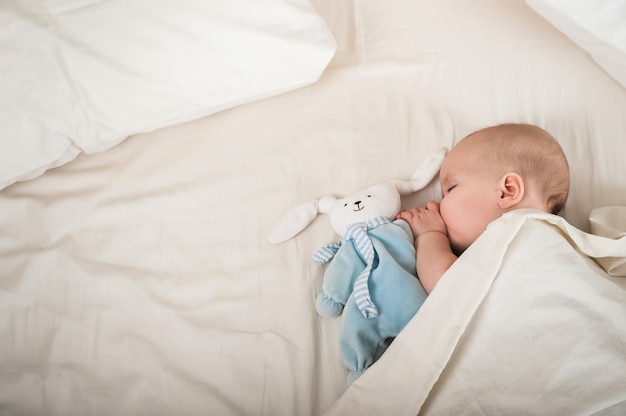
371,275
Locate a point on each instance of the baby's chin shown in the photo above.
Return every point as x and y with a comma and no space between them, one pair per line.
458,248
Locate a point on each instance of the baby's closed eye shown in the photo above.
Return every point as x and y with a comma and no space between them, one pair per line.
449,188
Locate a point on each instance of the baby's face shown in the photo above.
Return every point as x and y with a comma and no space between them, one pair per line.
470,198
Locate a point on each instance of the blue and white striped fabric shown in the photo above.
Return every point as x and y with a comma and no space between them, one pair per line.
363,244
327,252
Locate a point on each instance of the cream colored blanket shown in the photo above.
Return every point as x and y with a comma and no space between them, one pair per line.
525,322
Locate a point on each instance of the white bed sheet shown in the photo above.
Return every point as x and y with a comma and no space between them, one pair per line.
139,280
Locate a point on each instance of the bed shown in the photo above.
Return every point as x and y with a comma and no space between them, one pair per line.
149,148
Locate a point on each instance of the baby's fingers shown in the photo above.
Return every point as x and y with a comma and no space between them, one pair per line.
404,215
433,206
407,214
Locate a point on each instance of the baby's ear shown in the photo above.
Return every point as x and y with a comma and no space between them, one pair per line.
512,189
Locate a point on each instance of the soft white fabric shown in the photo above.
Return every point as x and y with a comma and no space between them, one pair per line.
139,281
504,335
83,75
610,222
596,26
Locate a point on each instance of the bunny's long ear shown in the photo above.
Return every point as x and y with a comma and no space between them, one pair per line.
294,221
298,218
423,175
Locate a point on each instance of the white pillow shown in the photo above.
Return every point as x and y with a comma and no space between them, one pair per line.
597,26
82,75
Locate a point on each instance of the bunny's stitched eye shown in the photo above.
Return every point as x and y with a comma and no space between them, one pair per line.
345,205
369,196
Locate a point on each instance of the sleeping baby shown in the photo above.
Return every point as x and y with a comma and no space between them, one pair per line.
490,172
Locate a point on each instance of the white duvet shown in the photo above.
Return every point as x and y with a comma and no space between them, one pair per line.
525,322
83,75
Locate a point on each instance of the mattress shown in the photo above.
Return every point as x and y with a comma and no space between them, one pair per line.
137,277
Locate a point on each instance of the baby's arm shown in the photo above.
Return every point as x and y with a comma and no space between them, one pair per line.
433,253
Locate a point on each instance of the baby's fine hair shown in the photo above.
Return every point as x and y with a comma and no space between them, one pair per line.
534,154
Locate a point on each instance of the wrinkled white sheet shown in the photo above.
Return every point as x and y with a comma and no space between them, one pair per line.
138,281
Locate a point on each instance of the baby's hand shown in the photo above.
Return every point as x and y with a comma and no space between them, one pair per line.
424,219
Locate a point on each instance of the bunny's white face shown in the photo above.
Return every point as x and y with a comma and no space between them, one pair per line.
376,201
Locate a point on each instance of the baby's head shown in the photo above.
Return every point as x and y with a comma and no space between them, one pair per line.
498,169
